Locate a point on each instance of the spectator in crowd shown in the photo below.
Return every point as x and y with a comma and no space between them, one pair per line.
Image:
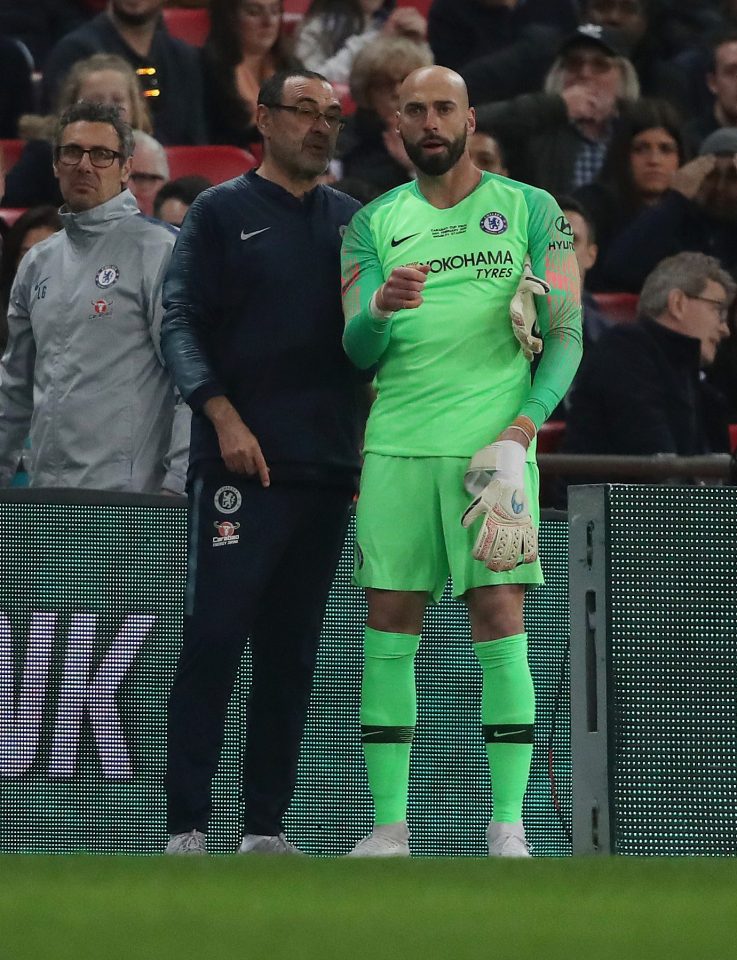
16,88
370,147
501,47
699,212
246,45
169,69
176,197
101,78
640,389
149,171
640,22
722,374
646,151
722,83
334,31
274,455
558,139
487,153
30,228
82,368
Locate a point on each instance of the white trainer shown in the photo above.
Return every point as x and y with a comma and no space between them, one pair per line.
257,843
507,840
386,840
186,843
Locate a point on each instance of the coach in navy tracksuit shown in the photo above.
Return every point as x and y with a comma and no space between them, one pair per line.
252,336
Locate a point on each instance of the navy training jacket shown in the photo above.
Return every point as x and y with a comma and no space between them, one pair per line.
253,312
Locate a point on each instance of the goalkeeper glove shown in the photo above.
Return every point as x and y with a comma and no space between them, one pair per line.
523,312
496,475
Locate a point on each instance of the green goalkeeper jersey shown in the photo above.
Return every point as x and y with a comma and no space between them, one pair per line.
450,374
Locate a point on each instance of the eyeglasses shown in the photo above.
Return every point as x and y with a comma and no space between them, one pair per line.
312,114
255,10
577,61
720,306
71,154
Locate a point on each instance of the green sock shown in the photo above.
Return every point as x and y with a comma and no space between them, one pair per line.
388,717
507,716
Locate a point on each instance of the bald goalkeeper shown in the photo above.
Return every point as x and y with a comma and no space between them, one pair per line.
450,285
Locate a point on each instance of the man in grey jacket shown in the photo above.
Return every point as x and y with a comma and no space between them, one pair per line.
82,368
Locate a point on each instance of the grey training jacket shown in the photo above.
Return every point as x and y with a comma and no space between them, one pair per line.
82,368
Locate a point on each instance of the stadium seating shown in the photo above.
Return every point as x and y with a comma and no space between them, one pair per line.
733,437
619,307
422,5
550,436
217,163
191,25
11,214
11,151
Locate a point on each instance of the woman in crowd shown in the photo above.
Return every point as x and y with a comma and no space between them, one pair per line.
246,46
30,228
102,78
370,147
645,152
334,31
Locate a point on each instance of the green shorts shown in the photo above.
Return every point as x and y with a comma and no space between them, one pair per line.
408,527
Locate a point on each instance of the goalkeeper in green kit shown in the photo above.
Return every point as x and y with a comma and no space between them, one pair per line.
446,281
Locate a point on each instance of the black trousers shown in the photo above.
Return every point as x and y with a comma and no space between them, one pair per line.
260,567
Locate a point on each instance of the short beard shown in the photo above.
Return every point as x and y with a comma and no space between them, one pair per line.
134,19
437,165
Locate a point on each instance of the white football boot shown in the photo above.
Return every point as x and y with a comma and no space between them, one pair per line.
257,843
507,840
192,842
386,840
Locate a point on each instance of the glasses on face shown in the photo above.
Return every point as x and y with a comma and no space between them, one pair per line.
628,7
257,10
719,306
312,115
598,63
71,154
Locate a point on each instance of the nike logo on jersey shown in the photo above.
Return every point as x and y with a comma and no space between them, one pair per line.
253,233
508,733
395,243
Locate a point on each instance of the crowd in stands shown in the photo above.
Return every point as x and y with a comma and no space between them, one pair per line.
625,110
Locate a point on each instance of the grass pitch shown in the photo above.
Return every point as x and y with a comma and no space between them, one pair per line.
118,908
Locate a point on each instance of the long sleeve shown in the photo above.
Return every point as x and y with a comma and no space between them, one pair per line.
16,380
365,337
190,301
177,455
559,313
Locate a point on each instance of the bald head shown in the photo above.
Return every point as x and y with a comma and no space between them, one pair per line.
435,119
434,82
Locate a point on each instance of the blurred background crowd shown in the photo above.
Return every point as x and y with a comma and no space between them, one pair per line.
625,110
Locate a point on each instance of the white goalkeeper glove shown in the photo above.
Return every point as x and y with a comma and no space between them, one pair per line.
523,312
495,476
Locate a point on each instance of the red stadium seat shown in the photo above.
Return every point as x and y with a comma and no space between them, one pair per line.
733,437
216,163
422,5
11,214
299,7
550,436
190,25
11,151
619,307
